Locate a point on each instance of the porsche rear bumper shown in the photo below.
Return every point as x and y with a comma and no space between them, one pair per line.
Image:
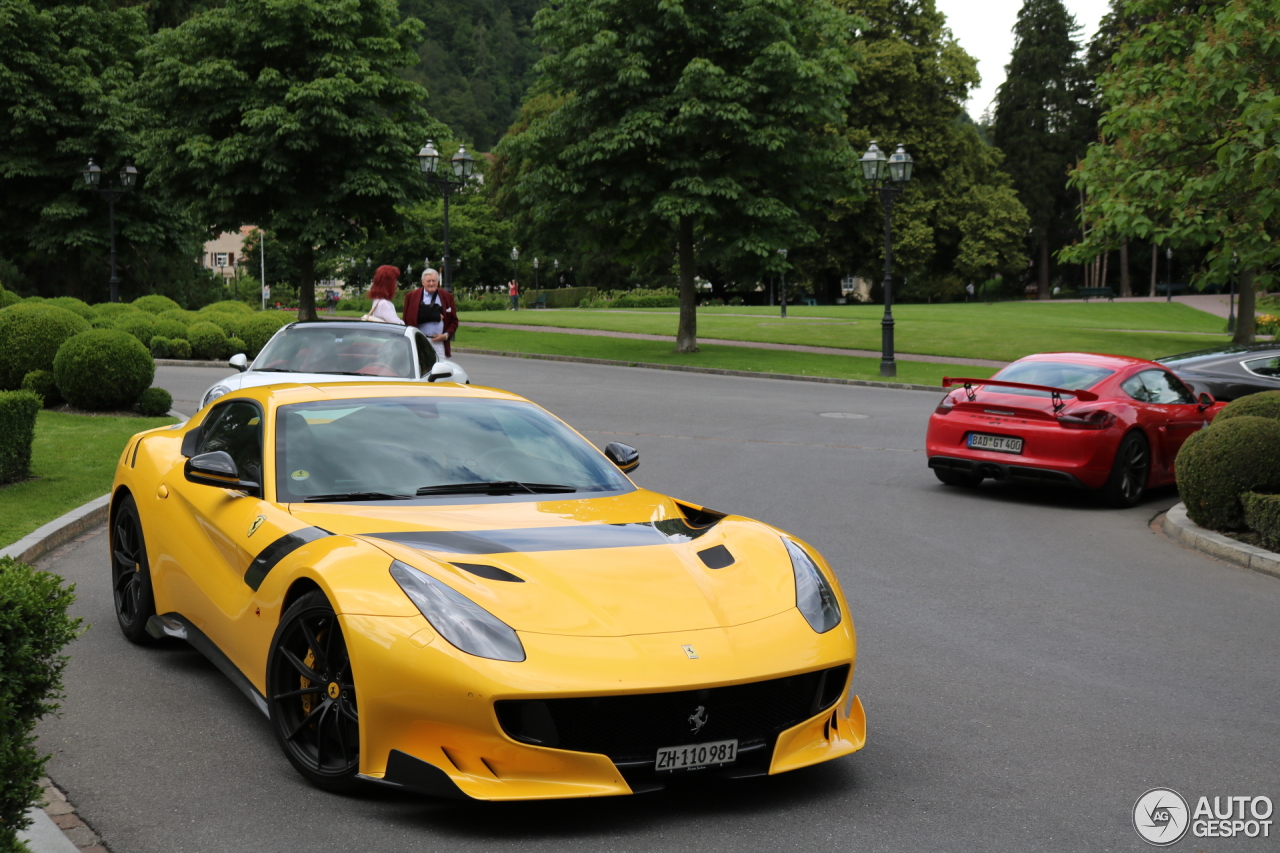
429,717
1050,454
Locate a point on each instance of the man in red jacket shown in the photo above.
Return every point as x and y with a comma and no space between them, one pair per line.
434,311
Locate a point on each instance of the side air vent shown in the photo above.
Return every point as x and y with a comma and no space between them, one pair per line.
700,516
492,573
717,557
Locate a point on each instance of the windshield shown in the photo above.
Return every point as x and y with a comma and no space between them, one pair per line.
315,349
392,448
1074,377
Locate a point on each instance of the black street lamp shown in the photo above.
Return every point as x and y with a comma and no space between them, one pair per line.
463,167
536,290
889,175
1168,291
515,277
128,179
782,291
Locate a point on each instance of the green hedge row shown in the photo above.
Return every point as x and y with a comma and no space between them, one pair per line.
563,297
18,410
34,628
1262,515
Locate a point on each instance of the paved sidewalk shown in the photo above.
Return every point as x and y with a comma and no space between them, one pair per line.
638,336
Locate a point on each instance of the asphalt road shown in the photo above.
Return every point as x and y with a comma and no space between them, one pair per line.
1030,663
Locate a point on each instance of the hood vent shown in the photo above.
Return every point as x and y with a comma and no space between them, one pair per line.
717,557
492,573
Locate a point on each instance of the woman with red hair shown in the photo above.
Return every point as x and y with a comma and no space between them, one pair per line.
382,292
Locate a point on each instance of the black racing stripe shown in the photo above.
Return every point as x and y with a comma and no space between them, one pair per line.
578,537
278,550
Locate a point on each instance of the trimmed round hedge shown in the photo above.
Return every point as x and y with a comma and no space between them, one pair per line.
259,330
112,309
179,348
155,402
208,341
231,322
228,305
103,369
171,329
140,325
41,382
1265,404
160,346
30,334
186,318
8,297
75,306
1215,465
154,303
236,346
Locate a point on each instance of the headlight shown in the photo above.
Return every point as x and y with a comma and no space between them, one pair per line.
814,597
457,618
214,393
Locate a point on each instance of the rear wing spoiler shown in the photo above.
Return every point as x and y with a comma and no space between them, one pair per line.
1057,393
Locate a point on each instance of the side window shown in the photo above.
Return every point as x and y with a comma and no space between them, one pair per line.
426,354
237,429
1264,366
1135,388
1168,388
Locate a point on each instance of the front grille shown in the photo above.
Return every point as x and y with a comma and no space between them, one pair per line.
631,728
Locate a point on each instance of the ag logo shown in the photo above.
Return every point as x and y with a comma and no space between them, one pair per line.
257,522
1160,816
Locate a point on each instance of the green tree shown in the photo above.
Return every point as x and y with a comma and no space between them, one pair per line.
1042,122
289,114
65,72
1189,153
687,120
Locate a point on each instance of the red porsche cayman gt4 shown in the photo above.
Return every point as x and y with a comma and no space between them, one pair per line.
1104,422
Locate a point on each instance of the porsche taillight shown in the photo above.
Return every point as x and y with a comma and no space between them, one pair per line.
1096,419
946,405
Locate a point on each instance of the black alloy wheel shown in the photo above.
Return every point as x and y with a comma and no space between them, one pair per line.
131,573
312,695
1128,481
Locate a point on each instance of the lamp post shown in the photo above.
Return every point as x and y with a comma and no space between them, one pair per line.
556,272
890,175
1168,288
536,289
463,167
515,278
128,179
782,284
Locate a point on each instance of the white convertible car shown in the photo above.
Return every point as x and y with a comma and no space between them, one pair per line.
318,351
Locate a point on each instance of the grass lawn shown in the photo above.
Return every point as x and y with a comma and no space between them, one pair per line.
724,357
74,461
1004,331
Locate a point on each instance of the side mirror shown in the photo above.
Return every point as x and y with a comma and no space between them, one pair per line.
626,457
218,469
239,362
439,371
1206,400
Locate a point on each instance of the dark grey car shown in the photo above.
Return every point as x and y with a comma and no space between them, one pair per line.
1230,371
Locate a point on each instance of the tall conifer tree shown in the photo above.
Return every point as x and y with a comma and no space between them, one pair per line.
1041,122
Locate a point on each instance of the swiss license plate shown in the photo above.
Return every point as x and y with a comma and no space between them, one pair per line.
981,441
695,755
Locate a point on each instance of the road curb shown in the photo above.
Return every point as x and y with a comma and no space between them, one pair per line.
188,362
1179,527
58,532
715,371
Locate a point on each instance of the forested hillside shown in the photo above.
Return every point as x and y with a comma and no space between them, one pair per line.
476,61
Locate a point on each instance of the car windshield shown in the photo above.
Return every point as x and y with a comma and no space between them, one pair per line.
394,448
1074,377
339,349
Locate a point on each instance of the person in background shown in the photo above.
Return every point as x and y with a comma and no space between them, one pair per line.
513,290
382,292
434,311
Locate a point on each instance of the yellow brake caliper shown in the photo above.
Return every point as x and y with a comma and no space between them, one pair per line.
310,661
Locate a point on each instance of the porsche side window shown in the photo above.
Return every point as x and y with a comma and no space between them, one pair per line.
1135,388
237,429
1264,366
1165,388
426,354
